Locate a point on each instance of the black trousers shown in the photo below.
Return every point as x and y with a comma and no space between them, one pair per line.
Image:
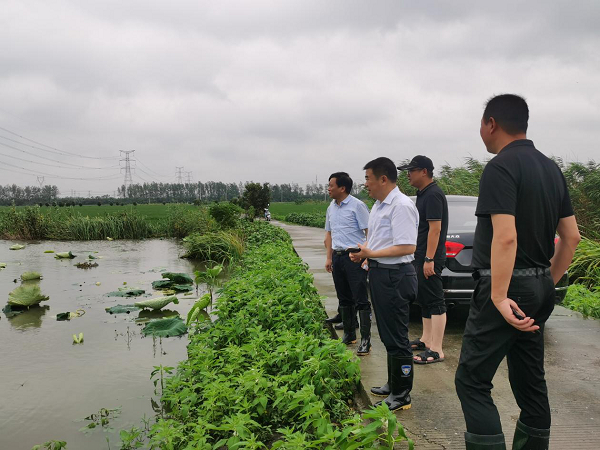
488,338
350,281
430,295
392,292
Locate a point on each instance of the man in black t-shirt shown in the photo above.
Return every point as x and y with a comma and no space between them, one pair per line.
430,257
523,202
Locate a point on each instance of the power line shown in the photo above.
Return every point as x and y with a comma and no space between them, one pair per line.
43,164
75,166
156,174
53,149
49,175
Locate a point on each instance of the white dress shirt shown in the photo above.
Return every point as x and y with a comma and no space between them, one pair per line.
394,221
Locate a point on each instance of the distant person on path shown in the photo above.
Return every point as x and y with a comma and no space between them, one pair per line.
523,202
390,245
430,257
346,224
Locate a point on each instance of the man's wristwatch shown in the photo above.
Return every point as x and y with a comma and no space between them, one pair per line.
427,259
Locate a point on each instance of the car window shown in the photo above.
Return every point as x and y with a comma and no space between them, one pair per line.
461,216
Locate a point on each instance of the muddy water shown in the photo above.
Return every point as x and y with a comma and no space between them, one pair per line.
47,384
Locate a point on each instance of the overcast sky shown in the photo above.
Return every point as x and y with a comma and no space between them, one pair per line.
282,91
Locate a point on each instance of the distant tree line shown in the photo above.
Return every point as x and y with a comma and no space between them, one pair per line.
27,195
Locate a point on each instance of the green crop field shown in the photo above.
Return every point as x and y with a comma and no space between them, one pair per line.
285,208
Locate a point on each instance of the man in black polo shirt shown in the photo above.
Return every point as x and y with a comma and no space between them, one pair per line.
429,258
523,202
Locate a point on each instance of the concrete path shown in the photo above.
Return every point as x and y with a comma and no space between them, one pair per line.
435,420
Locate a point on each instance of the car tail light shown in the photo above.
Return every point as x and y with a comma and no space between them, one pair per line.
453,249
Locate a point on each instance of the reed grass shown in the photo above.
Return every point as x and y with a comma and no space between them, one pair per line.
218,246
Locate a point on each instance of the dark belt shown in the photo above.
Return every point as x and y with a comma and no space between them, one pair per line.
340,252
387,266
530,272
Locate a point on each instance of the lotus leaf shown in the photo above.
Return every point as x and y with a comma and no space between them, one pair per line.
122,309
26,296
17,247
179,278
157,303
200,304
63,316
78,339
91,257
126,293
162,284
165,327
146,315
2,265
31,276
182,287
61,255
48,251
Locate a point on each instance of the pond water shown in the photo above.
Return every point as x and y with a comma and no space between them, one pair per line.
48,385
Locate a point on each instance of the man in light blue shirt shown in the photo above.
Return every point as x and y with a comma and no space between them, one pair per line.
346,225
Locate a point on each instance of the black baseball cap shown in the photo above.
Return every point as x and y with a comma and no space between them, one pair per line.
418,162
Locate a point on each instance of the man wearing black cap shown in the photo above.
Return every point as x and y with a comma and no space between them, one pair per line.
523,202
429,258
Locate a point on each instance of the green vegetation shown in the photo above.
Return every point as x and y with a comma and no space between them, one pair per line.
280,210
226,214
309,220
581,299
34,222
255,199
266,374
218,246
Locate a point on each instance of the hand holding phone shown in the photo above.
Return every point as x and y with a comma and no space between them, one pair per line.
520,317
353,250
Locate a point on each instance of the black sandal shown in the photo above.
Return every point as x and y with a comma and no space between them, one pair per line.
417,345
428,354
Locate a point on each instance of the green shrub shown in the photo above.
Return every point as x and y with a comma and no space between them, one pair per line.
310,220
226,214
581,299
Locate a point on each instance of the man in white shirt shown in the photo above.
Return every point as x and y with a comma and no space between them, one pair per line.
391,243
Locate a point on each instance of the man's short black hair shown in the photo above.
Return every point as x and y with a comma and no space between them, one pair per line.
342,179
509,111
383,166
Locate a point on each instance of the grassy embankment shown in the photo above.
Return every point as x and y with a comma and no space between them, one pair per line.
266,374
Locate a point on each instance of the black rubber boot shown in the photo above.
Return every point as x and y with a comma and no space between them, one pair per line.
383,391
348,314
340,326
335,319
485,442
365,332
401,374
529,438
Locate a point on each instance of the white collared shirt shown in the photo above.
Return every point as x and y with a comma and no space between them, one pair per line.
394,221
